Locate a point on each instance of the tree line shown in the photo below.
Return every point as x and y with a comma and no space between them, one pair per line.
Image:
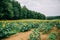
12,10
52,17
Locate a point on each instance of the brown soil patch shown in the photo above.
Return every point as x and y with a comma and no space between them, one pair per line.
25,36
19,36
43,36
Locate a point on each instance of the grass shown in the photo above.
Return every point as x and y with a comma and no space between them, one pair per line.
29,20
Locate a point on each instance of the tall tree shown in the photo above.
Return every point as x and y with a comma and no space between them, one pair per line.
6,9
16,9
24,12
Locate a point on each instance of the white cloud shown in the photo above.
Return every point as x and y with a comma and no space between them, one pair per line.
47,7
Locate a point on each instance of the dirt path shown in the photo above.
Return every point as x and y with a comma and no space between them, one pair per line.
19,36
43,36
25,36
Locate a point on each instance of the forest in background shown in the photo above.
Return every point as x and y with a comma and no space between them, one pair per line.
52,17
12,10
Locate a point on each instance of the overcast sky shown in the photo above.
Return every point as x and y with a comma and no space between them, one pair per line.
47,7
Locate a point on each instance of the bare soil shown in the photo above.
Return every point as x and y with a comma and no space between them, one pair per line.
19,36
25,36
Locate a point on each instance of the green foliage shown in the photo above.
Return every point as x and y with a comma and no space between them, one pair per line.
35,25
52,36
16,9
46,27
35,35
9,9
6,9
58,25
1,27
9,28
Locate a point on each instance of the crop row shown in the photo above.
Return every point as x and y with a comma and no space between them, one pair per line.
35,35
10,28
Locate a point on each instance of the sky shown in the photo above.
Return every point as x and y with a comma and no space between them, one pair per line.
46,7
